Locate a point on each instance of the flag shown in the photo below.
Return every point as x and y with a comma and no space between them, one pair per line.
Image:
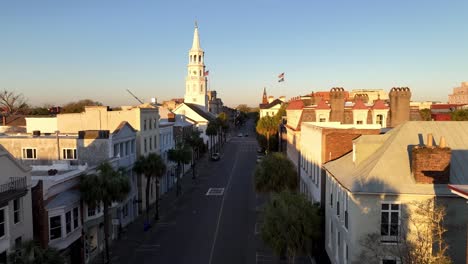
206,73
281,80
281,75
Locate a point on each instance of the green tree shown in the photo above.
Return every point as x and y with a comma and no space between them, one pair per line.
223,121
79,106
425,114
267,126
291,224
282,111
459,115
181,154
105,187
31,252
196,143
211,131
243,108
153,167
275,173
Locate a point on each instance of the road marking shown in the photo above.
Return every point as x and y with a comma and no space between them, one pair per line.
222,206
215,191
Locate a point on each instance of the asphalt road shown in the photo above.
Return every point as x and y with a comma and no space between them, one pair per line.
211,229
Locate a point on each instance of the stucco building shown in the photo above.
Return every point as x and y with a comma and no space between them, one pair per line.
373,188
270,106
15,204
459,94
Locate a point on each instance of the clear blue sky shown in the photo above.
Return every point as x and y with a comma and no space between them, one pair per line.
59,51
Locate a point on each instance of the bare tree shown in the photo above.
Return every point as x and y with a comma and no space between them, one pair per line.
420,239
11,103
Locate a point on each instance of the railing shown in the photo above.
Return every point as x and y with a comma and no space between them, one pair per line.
15,184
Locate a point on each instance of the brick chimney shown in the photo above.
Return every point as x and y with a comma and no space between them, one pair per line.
431,164
171,117
337,102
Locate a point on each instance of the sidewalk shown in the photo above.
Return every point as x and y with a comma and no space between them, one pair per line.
134,234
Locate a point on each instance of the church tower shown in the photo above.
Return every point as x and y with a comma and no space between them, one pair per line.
196,81
264,98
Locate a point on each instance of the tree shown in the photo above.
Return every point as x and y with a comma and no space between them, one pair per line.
223,121
211,131
275,173
267,126
291,224
79,106
425,114
459,115
181,155
196,143
12,103
420,237
105,187
31,252
153,167
243,108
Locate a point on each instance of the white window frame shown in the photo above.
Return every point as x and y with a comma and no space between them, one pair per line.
5,222
18,210
60,227
390,239
65,154
34,153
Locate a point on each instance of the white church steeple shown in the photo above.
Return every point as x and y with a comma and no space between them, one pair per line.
196,81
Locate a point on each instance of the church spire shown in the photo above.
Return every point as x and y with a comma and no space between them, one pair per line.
196,39
265,98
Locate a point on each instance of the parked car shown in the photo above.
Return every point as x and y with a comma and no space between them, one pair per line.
215,156
239,135
259,158
246,135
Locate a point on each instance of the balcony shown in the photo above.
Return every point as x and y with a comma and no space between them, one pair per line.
15,188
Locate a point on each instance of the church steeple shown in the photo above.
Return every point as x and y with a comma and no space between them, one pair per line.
196,40
196,81
264,98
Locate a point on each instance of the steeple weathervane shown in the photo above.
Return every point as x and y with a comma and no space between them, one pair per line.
196,24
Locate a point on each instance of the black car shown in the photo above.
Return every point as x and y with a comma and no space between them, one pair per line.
246,135
215,156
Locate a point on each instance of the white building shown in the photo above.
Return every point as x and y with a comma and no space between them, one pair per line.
167,141
371,189
15,204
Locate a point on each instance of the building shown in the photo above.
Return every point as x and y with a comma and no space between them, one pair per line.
196,106
371,94
215,104
15,204
61,220
143,118
270,106
167,142
324,142
459,95
373,188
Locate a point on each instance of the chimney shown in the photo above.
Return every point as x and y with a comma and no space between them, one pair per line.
337,102
171,117
271,99
431,164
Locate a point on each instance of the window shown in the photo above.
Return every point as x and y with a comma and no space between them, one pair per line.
2,222
388,260
359,122
76,219
155,142
389,222
345,252
69,154
122,151
379,119
125,210
55,227
116,150
68,222
150,143
345,207
3,257
155,124
144,124
91,211
29,153
145,145
17,210
331,194
127,148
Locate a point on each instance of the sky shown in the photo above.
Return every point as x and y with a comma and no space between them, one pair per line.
54,52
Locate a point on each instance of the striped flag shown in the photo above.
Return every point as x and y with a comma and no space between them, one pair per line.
281,77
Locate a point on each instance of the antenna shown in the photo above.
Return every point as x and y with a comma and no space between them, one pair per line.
134,96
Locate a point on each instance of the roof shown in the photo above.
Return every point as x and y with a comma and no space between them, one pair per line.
359,105
122,125
322,105
387,168
379,104
295,105
208,116
461,190
64,199
270,105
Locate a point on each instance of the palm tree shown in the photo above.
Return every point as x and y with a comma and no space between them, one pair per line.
224,122
195,142
31,252
181,155
104,188
211,130
153,167
275,173
267,126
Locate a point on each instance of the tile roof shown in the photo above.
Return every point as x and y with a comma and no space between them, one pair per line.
379,104
295,105
322,105
387,168
359,105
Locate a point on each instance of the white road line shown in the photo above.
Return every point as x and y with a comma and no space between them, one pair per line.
222,206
